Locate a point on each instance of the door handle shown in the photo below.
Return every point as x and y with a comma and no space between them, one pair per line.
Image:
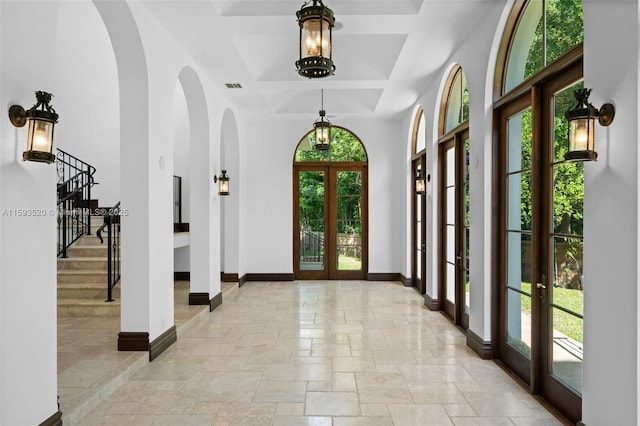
540,285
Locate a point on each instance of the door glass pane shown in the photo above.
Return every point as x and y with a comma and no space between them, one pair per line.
519,204
451,167
312,241
567,245
519,320
467,210
451,282
349,220
418,236
520,134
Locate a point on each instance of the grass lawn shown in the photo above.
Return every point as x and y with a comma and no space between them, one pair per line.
563,322
346,263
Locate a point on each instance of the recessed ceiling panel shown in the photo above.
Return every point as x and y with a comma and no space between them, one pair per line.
357,57
340,7
308,101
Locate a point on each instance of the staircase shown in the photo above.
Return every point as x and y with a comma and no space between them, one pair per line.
82,278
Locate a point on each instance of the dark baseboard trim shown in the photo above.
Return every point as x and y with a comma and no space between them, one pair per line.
479,346
182,276
229,278
269,277
180,227
242,280
405,281
133,341
215,302
430,303
162,342
198,298
54,420
383,276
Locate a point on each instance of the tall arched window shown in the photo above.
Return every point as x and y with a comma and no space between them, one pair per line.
330,208
453,159
539,249
418,215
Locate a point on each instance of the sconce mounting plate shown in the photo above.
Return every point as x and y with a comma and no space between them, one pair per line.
17,115
606,114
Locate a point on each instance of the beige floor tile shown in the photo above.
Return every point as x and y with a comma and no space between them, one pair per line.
280,392
290,409
332,404
419,415
302,421
387,388
362,421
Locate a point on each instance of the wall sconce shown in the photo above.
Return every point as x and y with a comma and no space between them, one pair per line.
223,183
316,22
420,183
40,130
582,126
322,128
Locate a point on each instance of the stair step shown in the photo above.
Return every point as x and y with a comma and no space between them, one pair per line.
82,263
87,251
82,276
88,308
91,291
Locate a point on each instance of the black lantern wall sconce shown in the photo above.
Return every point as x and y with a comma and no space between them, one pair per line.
42,119
316,22
582,126
421,187
322,128
223,183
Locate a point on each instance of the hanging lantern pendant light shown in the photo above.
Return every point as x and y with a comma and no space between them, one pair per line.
322,128
316,22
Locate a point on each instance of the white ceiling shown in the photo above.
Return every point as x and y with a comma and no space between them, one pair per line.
385,51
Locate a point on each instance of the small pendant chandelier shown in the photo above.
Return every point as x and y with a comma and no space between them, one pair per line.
316,22
322,128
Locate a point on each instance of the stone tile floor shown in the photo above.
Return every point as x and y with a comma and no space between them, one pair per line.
319,353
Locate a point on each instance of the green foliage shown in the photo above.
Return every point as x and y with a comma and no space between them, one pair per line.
564,30
344,146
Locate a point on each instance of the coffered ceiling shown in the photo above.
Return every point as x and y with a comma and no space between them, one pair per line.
385,51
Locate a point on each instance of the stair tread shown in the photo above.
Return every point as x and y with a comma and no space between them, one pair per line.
81,271
76,301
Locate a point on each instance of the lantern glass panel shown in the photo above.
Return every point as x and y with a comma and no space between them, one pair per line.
322,135
224,186
420,185
40,136
315,40
581,134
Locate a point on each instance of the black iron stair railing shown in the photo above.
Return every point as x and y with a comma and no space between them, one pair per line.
75,179
112,226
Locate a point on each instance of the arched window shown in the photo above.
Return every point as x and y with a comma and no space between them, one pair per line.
344,146
544,31
418,138
540,199
457,101
453,158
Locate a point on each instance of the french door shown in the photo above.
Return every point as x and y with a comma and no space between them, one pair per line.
419,232
541,243
330,221
454,226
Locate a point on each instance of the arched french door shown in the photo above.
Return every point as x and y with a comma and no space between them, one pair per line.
418,204
540,204
330,205
453,195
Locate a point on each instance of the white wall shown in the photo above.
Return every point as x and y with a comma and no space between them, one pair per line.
611,360
89,121
267,171
181,152
28,347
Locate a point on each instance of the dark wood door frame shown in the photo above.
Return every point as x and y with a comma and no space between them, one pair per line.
418,277
331,271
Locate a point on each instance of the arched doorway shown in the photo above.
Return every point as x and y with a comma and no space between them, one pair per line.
540,203
330,214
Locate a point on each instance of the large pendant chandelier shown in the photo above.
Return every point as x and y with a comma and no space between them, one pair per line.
322,128
315,21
